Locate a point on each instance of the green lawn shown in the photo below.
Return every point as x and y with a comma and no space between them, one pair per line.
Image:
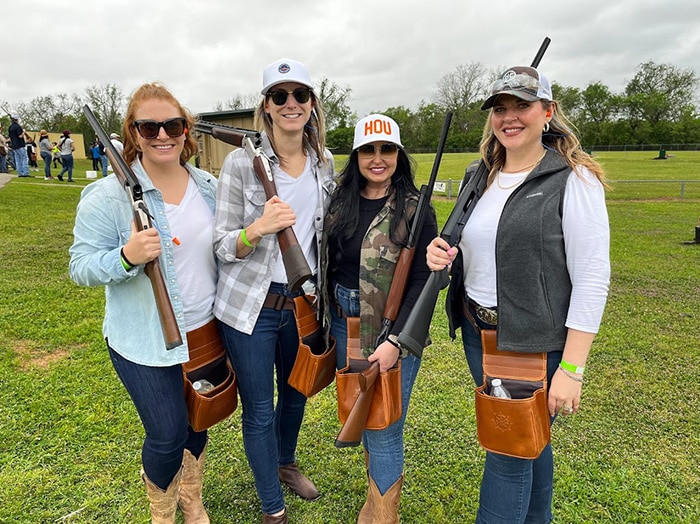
71,438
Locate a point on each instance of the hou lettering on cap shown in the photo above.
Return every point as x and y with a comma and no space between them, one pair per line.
376,128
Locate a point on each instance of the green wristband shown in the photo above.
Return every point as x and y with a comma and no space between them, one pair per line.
125,263
245,240
571,368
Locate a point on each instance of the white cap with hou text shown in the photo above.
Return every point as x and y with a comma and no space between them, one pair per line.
376,128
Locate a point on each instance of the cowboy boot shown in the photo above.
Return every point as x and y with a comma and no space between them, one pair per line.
280,519
365,516
385,508
163,504
190,496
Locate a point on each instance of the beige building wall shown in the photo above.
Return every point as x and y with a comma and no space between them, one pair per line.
212,152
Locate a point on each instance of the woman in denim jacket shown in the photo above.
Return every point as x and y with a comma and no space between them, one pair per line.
108,251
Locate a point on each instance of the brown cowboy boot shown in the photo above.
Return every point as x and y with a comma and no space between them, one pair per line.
365,516
190,497
385,508
163,504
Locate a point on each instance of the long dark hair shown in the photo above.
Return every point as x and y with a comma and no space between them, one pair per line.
343,212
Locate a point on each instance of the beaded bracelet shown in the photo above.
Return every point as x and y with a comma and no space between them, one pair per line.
570,375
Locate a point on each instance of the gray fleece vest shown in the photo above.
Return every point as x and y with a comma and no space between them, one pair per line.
532,282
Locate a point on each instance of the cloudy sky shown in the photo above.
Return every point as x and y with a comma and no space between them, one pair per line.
389,52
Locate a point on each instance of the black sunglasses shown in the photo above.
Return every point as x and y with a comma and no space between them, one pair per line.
149,129
279,97
384,150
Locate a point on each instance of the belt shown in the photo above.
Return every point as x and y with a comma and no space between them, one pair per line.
486,314
278,302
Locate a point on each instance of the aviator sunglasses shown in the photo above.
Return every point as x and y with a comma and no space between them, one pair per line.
387,149
149,129
279,96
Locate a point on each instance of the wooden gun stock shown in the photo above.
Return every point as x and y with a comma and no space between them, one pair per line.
351,433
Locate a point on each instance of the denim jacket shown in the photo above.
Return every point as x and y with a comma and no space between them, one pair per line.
102,227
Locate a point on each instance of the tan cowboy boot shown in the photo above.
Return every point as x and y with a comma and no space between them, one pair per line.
163,504
291,476
385,508
190,497
365,516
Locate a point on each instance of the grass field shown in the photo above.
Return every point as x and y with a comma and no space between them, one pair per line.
71,438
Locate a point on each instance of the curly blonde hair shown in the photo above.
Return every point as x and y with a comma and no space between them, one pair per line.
150,91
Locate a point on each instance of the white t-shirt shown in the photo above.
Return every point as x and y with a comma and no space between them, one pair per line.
192,224
301,194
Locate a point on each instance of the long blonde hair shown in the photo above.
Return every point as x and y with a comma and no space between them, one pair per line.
561,137
150,91
314,130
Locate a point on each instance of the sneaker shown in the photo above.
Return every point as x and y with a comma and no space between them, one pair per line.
60,178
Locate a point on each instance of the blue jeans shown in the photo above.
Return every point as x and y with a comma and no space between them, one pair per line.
270,432
513,490
159,396
21,161
46,157
103,161
67,161
3,163
385,446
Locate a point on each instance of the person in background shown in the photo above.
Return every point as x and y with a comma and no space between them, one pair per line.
367,225
30,144
45,149
19,148
532,263
56,151
114,138
253,300
109,251
95,155
3,152
66,146
103,157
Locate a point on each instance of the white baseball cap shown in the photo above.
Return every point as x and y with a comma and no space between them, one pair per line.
375,128
285,70
114,135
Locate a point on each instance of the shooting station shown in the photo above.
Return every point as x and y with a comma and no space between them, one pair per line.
212,151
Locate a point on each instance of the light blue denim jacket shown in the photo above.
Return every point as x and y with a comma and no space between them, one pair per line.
102,227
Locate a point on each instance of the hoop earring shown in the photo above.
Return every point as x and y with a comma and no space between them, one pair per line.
545,129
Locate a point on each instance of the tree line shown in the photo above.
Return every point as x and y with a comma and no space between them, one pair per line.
658,105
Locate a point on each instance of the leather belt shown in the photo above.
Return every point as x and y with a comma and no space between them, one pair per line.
487,315
278,302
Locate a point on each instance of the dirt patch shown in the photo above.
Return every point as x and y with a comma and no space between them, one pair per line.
34,356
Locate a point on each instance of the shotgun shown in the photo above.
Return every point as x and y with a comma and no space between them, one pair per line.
418,322
142,219
351,432
295,264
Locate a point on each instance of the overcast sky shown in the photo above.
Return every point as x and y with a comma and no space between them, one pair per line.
389,52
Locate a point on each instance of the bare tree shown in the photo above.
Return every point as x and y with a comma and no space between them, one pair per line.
247,101
107,102
461,90
335,100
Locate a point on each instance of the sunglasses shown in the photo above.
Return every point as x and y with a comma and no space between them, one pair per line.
279,97
150,129
384,150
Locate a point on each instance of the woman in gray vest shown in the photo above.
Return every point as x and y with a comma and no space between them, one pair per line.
533,264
